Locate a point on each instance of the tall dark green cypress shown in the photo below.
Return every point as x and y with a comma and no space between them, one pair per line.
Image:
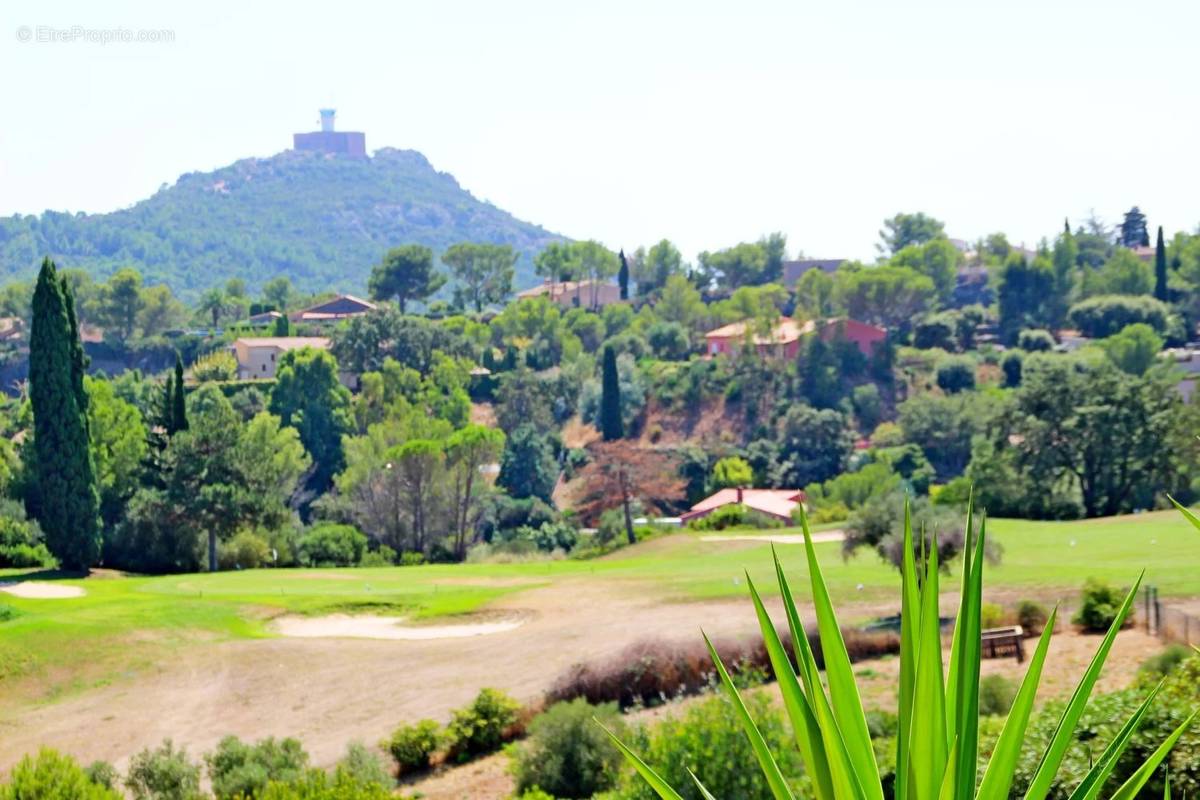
610,398
623,277
1160,268
282,326
179,420
65,499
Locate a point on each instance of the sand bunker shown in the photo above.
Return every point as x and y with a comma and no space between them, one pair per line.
372,626
34,590
778,538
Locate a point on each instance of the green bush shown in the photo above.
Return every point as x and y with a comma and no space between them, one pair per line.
566,753
734,515
364,766
1099,606
991,615
317,785
164,773
246,550
330,545
102,773
237,768
383,557
996,695
709,740
1012,364
52,776
1031,616
1163,664
956,374
21,541
483,726
412,745
1035,340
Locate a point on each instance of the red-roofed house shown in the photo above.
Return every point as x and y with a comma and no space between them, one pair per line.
784,340
777,503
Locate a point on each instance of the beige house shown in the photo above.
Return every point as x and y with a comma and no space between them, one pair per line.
258,357
572,294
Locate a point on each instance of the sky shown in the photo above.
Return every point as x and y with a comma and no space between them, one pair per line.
707,123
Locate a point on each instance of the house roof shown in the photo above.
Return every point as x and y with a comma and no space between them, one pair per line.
559,288
778,502
344,305
792,270
786,330
286,342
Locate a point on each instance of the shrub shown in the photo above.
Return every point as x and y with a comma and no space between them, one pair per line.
868,406
991,615
734,515
412,558
246,550
566,753
480,728
52,776
731,471
363,766
7,612
21,541
412,745
996,695
956,374
1012,364
1031,616
164,773
317,785
237,768
383,557
1099,317
1099,605
708,739
218,366
1035,340
668,340
329,545
102,773
1162,664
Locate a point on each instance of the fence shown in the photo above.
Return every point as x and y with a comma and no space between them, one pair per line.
1170,623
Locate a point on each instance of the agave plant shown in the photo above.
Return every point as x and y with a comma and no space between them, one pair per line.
938,739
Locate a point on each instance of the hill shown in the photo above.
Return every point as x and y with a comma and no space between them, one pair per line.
321,220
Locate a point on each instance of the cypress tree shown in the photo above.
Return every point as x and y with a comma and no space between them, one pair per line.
65,502
1067,226
179,420
623,277
1160,267
282,326
610,398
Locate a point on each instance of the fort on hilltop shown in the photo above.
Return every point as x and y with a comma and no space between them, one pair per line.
327,140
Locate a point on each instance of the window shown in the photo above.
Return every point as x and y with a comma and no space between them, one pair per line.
264,367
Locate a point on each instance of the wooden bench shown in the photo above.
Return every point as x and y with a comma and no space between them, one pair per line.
1002,642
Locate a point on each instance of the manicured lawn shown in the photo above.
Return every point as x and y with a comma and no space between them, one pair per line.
123,623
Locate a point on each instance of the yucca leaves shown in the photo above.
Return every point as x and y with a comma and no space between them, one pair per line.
998,777
1043,778
651,777
938,737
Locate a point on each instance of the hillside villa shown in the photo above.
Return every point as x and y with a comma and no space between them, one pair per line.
573,294
344,306
784,340
775,503
258,356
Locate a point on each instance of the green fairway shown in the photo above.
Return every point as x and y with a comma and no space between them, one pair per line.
126,622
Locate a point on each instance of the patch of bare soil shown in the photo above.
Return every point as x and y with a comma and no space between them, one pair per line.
375,626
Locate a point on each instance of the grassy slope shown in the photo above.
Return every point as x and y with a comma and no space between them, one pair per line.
126,622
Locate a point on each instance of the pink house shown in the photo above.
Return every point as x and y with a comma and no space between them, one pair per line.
777,503
784,340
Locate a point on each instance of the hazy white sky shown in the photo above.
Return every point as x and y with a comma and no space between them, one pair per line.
708,123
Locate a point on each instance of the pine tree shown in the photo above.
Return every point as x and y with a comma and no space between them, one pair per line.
610,398
1160,267
623,277
179,420
65,499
